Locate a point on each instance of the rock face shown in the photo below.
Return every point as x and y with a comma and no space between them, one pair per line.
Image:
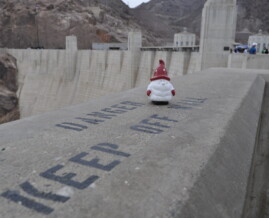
170,16
9,103
45,23
173,15
31,23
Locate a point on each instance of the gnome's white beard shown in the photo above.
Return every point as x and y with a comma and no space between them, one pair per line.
160,90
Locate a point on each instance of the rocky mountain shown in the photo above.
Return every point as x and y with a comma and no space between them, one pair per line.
9,103
170,16
253,15
45,23
173,15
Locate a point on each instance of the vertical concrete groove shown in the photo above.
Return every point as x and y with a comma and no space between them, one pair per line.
121,61
187,59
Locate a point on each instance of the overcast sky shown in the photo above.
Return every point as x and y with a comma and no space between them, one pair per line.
134,3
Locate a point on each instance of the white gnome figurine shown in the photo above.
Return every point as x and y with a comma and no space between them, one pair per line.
160,89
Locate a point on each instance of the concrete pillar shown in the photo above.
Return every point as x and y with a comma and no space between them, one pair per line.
134,41
217,32
71,55
134,45
71,43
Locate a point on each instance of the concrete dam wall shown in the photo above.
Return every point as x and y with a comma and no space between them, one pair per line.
53,79
122,156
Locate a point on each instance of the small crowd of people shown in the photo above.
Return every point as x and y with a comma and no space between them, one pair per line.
252,50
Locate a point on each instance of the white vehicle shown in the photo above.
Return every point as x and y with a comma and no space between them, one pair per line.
160,90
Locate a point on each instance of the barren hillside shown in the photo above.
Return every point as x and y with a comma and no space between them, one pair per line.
45,23
30,23
173,15
170,16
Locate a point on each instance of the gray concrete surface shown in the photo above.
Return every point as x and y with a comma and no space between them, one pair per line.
247,61
217,32
257,199
188,159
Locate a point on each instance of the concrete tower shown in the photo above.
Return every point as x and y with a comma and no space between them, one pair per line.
71,49
71,43
217,32
184,39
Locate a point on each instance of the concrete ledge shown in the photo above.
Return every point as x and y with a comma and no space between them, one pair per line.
221,187
121,156
261,72
247,61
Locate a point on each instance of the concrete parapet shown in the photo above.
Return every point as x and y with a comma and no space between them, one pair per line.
262,72
121,156
246,61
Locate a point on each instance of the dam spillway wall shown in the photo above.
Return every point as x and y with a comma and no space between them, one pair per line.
53,79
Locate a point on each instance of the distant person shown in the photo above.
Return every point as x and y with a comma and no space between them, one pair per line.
253,48
265,50
246,51
235,50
